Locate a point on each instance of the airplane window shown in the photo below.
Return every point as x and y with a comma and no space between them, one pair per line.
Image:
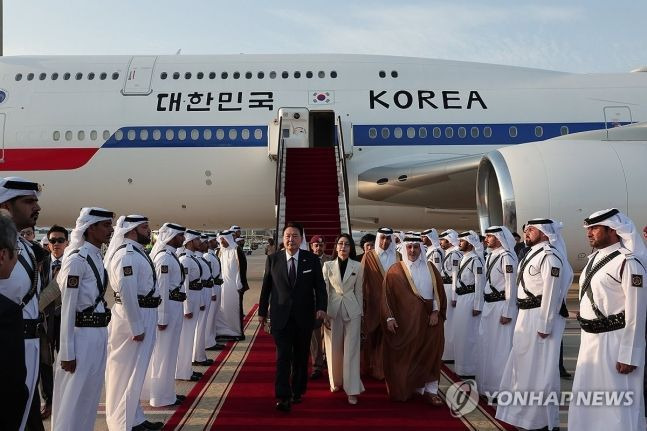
115,76
224,75
449,132
462,132
68,135
372,133
437,132
91,76
422,132
244,134
236,75
79,76
18,76
539,131
157,134
176,75
474,132
284,75
297,74
181,134
385,133
207,134
187,75
258,134
80,135
394,73
220,134
411,132
170,134
382,74
104,75
333,74
272,74
106,135
66,76
200,75
233,134
309,74
42,76
30,76
131,135
397,132
195,135
57,135
248,75
563,130
119,135
260,75
93,135
143,134
212,75
321,74
487,131
54,76
513,131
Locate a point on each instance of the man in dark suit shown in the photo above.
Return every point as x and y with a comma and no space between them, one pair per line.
294,289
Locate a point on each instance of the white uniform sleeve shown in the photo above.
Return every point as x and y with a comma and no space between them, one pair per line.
632,344
126,274
72,272
162,266
479,284
510,309
551,273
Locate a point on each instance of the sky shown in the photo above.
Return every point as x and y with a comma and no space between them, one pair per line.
575,36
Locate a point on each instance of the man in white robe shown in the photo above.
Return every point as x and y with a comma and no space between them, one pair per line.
435,252
199,348
544,276
613,307
214,262
499,310
449,272
467,301
228,321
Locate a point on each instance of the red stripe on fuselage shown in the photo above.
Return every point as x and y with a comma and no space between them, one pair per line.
46,159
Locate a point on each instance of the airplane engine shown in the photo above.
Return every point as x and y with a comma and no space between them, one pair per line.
566,178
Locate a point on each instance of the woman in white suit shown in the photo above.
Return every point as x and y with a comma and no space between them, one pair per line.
343,277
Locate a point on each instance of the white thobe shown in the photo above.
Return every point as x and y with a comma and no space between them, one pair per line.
449,266
210,335
161,371
615,289
533,363
228,316
199,353
15,288
465,325
127,365
495,339
76,395
191,306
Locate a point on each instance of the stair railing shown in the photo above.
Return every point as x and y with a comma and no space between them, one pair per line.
279,191
343,175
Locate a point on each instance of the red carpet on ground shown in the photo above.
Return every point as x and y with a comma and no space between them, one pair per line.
250,404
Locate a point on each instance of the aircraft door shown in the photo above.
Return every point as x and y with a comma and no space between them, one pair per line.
140,74
2,155
615,116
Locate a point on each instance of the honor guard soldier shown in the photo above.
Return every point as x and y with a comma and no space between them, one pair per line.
468,303
81,362
214,263
20,198
613,306
170,284
543,278
449,271
435,252
499,310
199,352
193,289
131,335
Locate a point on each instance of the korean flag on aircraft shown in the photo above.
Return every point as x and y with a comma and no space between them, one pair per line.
322,97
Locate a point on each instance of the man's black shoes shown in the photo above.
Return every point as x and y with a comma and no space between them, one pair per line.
316,374
205,363
283,405
296,399
216,347
146,426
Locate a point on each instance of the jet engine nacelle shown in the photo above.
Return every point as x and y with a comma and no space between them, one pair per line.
566,179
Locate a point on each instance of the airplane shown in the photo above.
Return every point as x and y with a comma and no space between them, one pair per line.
427,142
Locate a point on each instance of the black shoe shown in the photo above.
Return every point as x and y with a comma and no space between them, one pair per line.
177,402
153,425
139,427
240,338
204,363
296,399
283,405
195,376
565,374
216,347
181,397
316,374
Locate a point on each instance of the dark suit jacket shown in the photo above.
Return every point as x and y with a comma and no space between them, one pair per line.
301,301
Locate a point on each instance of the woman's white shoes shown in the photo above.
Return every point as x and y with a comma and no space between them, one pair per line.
335,389
352,399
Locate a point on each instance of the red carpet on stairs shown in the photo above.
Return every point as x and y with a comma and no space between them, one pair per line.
312,192
250,404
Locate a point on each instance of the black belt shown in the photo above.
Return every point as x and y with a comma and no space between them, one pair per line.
32,328
494,296
144,301
609,323
207,283
92,320
529,303
447,280
465,289
218,281
176,295
195,285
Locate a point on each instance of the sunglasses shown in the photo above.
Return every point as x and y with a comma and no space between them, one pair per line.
56,240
